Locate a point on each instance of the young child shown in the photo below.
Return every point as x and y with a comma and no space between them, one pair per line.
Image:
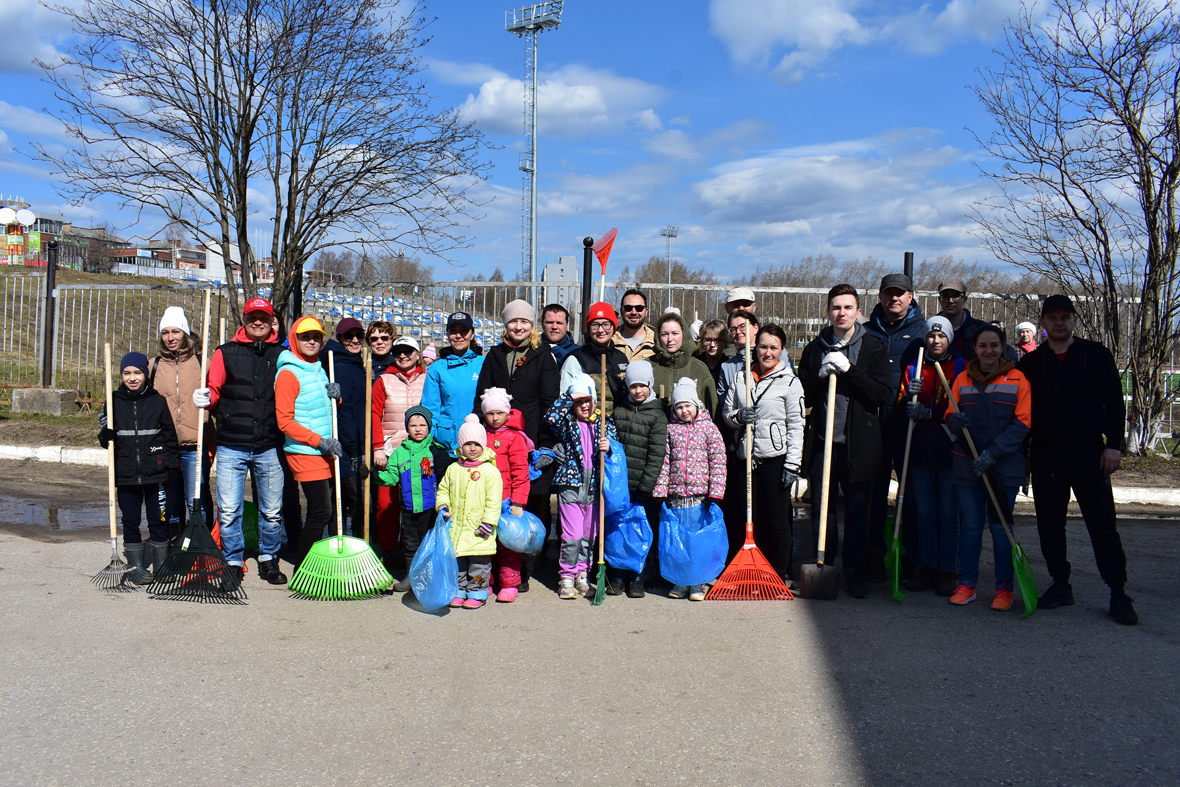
574,421
470,496
642,425
505,428
417,466
147,455
694,465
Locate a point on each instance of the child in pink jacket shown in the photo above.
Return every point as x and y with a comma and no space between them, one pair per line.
694,465
505,427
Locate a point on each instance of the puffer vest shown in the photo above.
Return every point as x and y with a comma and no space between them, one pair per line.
313,409
246,410
400,395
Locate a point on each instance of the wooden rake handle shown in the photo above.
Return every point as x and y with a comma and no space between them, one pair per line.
905,462
111,499
204,416
336,459
829,428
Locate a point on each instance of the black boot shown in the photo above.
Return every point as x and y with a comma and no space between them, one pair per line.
855,584
1121,608
872,566
139,573
924,578
615,586
159,555
636,590
270,571
1059,594
947,582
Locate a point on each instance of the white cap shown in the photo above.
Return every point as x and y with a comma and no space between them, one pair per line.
174,318
739,294
406,341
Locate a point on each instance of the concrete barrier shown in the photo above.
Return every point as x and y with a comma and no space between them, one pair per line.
45,401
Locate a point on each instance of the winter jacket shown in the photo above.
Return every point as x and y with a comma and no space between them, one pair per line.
1077,402
417,469
563,348
668,368
778,401
588,359
694,464
380,363
350,415
647,346
866,386
449,391
512,447
146,451
532,384
999,407
902,340
393,394
564,426
241,387
643,431
930,445
175,376
474,496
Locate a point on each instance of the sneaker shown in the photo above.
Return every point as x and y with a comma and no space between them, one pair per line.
269,570
1059,594
581,584
855,584
636,589
457,602
472,603
1003,599
615,587
696,593
523,587
1121,608
925,577
963,595
947,582
506,595
565,588
678,591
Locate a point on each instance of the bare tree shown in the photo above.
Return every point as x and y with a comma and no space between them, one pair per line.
1085,107
338,267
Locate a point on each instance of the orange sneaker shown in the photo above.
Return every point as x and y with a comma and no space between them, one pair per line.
964,594
1003,600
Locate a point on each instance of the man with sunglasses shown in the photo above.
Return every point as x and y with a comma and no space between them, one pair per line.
635,338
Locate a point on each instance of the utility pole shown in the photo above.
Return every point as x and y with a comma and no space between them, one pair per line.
669,233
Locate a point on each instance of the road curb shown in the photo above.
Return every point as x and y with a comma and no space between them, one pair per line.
1123,495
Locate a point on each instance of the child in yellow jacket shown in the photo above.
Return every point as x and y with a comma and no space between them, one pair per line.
470,498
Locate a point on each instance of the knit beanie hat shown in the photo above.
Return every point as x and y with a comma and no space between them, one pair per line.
1025,326
685,390
431,352
517,310
496,399
602,311
174,318
942,324
138,360
582,386
640,372
422,411
472,431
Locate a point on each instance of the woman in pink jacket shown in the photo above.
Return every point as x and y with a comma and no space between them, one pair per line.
396,390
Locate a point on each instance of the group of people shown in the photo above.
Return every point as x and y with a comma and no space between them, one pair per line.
464,435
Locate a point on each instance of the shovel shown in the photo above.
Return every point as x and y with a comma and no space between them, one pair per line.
818,579
895,551
1024,572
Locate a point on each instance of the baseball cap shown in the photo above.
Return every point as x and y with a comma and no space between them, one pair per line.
306,325
739,294
404,341
952,283
896,281
461,318
348,324
258,305
1057,302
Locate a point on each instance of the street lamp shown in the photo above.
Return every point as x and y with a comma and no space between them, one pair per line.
669,233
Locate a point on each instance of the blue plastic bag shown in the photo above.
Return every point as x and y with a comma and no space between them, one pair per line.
523,533
628,539
693,544
614,485
434,574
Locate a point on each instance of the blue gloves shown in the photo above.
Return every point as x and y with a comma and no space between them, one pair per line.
917,411
957,422
983,462
541,460
102,420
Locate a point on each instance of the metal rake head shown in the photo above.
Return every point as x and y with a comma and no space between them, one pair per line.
116,577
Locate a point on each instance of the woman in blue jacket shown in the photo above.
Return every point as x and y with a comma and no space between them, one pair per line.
449,392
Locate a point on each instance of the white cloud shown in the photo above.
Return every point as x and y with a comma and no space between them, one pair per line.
629,191
27,122
680,120
926,33
31,30
649,120
674,144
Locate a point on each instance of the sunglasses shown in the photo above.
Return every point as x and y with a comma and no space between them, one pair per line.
351,338
403,350
379,338
631,307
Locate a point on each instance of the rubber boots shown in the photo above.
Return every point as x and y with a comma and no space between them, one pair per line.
134,553
159,555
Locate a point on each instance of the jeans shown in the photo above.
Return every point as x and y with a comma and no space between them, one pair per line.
264,467
972,513
935,506
188,469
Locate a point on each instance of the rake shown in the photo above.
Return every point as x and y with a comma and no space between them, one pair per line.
896,550
117,575
750,577
340,567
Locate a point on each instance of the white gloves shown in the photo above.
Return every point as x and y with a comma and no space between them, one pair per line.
201,398
834,363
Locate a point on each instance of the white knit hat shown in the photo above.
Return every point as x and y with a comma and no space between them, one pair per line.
494,399
174,318
1025,326
583,385
685,390
640,372
472,431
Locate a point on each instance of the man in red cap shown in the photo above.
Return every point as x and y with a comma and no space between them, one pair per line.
241,393
601,323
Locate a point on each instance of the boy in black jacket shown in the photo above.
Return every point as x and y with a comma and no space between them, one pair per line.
146,455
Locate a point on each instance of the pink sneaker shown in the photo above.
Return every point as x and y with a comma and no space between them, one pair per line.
457,602
473,603
506,595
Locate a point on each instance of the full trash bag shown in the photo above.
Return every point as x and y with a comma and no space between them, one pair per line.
523,533
434,574
628,539
614,485
693,543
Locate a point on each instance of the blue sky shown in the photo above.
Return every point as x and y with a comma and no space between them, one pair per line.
766,129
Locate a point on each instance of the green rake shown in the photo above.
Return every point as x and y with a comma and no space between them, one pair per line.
896,550
340,567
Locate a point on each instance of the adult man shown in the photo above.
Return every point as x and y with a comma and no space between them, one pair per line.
742,325
740,299
635,339
241,393
600,333
860,360
1078,416
555,331
952,297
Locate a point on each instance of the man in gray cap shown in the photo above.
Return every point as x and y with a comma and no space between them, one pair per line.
952,298
738,299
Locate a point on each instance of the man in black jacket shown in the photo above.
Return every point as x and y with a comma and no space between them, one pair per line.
863,388
1078,418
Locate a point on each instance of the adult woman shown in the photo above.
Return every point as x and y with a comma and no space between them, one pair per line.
775,409
673,360
175,373
996,403
1026,339
714,338
397,389
525,367
380,336
351,415
449,390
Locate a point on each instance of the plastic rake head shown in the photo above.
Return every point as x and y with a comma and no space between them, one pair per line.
340,568
196,570
116,577
749,578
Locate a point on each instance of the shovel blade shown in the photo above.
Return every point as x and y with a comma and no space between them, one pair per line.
819,582
1026,579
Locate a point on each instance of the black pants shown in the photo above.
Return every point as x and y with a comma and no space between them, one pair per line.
349,509
893,444
414,529
131,500
733,505
291,512
319,513
856,509
1053,475
772,513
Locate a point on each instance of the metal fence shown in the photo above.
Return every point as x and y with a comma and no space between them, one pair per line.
22,301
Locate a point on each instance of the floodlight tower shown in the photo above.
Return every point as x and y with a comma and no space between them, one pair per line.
669,233
526,22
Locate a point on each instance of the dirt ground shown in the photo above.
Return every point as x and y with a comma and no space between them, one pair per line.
70,430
